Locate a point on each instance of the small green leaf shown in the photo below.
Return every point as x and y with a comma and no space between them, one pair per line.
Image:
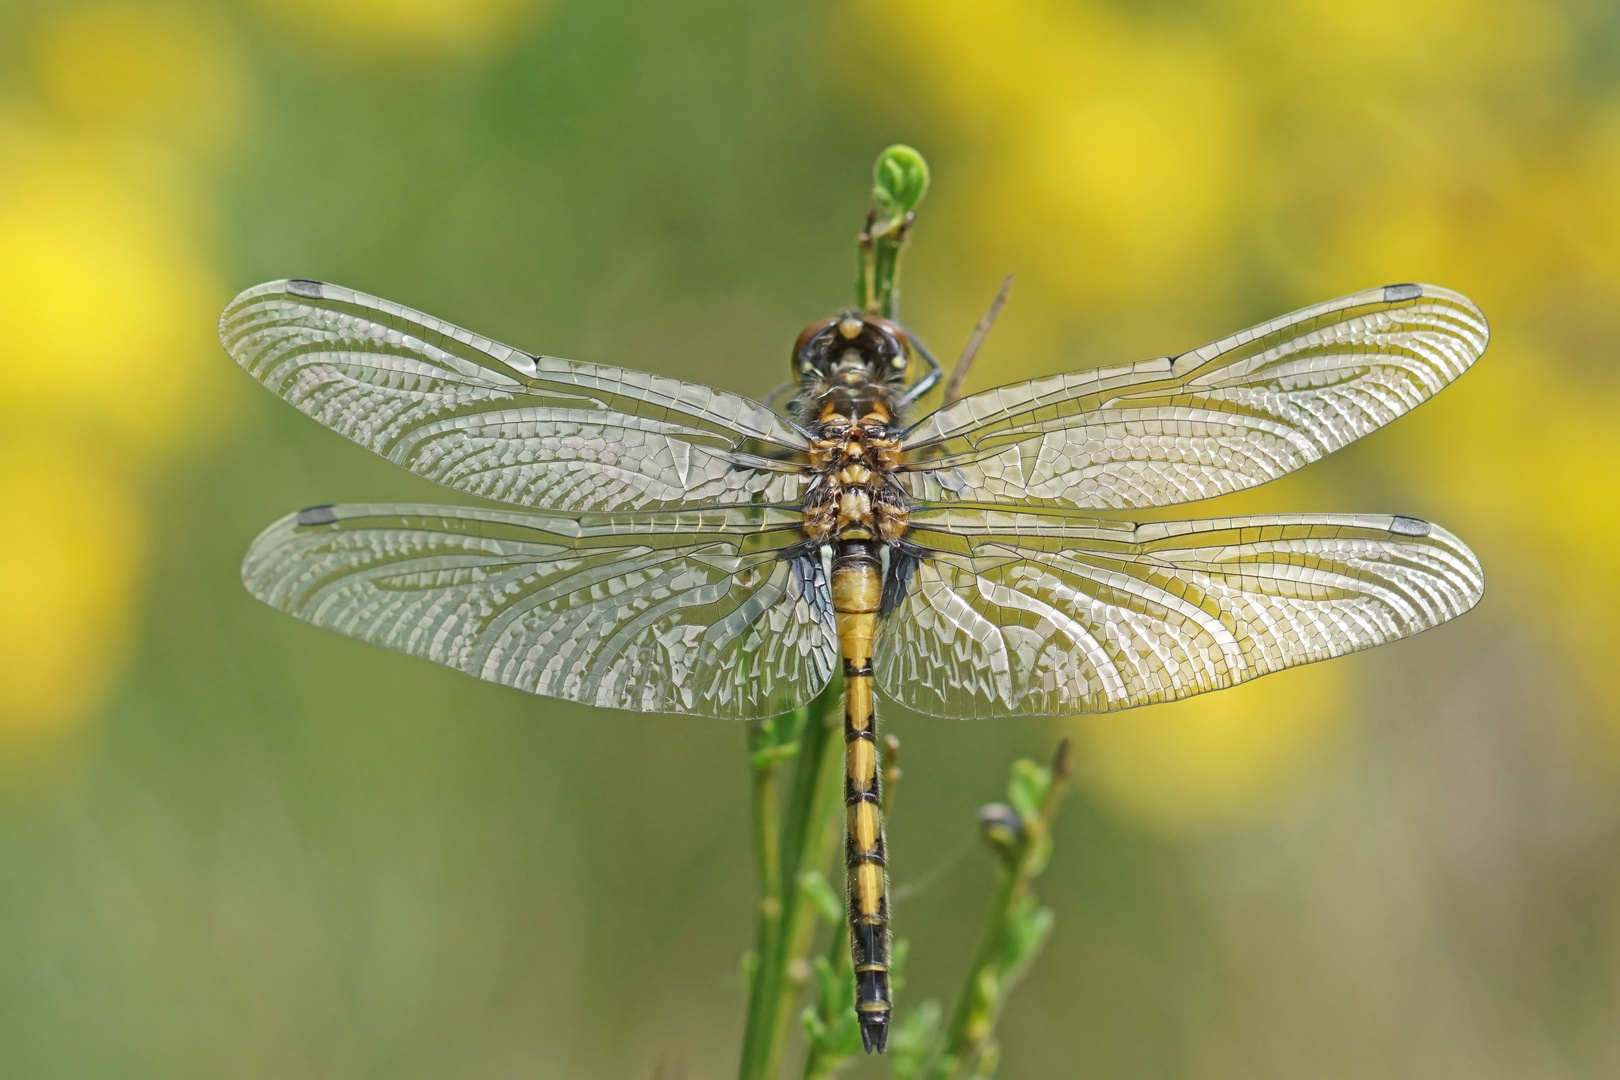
1027,789
791,723
914,1033
774,740
830,988
1040,853
840,1033
845,1037
900,180
814,885
771,756
1027,932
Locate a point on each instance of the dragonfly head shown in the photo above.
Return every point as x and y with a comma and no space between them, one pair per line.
851,351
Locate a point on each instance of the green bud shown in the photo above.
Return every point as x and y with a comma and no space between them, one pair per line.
900,180
1002,827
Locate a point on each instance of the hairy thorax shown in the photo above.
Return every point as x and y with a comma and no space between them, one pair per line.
854,493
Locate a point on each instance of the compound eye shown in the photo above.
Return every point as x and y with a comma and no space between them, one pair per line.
806,336
850,328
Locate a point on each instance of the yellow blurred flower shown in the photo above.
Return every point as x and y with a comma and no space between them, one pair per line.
107,357
105,364
1215,757
151,67
72,543
106,309
1112,145
415,26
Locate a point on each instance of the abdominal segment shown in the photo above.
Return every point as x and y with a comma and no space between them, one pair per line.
857,593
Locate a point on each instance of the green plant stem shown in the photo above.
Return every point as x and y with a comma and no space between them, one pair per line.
767,851
962,1035
824,791
799,844
766,766
878,289
978,1005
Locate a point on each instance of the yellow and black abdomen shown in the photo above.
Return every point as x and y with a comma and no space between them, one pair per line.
857,588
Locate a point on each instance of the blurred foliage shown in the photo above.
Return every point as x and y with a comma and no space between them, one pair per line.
236,847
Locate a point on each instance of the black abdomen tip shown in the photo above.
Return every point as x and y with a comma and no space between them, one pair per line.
875,1032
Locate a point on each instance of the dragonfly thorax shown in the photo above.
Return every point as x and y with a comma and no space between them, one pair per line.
854,493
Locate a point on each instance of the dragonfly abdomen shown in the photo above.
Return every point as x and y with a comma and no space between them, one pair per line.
857,588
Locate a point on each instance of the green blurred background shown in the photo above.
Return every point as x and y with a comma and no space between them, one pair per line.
232,846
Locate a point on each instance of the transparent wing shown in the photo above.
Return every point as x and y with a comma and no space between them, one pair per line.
497,422
707,614
1235,413
1013,614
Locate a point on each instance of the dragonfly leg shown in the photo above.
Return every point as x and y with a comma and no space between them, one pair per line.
929,379
778,391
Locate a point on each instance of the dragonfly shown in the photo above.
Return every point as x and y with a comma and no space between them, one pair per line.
670,547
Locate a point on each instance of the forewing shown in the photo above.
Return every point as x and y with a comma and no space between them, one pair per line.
494,421
1023,614
1235,413
706,614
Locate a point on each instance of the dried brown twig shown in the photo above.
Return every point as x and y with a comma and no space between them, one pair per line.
953,389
